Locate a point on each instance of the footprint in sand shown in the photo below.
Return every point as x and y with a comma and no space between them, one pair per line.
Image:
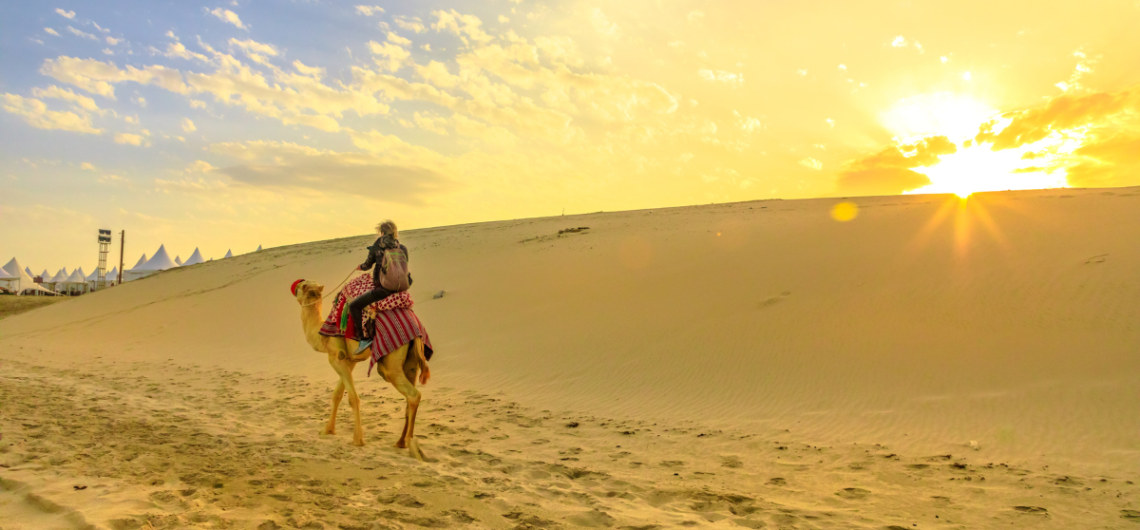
773,300
853,493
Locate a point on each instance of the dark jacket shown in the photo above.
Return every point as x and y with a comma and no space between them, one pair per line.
375,255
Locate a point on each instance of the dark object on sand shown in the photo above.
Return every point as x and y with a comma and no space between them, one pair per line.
573,230
439,295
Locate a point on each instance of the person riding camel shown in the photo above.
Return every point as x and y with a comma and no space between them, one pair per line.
388,260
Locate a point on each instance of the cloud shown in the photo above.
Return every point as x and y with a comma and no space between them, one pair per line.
427,122
88,166
811,163
314,71
112,41
465,26
97,77
199,166
899,42
603,25
126,138
188,125
83,34
177,49
227,16
389,56
256,51
413,24
36,114
396,39
50,31
65,14
83,102
721,76
344,173
195,104
369,10
1063,112
890,171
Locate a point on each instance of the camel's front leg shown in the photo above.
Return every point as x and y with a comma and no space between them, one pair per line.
354,401
338,393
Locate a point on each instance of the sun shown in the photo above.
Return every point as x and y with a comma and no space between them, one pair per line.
973,168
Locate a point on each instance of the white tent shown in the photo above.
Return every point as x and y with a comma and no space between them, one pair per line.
45,276
29,271
25,284
229,254
75,283
113,276
60,276
160,261
141,262
258,248
9,281
178,260
194,259
94,276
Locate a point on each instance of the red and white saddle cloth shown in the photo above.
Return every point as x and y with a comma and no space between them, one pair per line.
391,323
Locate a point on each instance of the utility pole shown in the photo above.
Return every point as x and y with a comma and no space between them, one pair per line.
122,243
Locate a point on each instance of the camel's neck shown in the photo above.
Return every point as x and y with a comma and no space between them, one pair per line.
311,322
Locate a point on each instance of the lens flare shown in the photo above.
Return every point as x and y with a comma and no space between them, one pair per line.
844,211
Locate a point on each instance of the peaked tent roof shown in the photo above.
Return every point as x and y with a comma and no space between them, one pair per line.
26,282
113,276
178,260
229,254
27,270
159,262
5,275
45,275
194,258
258,248
60,276
142,261
76,276
94,276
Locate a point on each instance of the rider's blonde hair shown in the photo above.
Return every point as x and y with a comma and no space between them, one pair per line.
388,228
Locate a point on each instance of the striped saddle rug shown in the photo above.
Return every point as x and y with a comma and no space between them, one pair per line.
391,323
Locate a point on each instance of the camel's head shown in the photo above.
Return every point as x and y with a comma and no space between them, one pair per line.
307,291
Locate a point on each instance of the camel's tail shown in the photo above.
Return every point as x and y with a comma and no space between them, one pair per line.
425,372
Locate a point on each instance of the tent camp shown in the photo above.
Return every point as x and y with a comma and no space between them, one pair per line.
194,259
127,272
25,284
8,282
159,262
229,254
74,284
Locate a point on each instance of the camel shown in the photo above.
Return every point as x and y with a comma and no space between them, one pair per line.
397,368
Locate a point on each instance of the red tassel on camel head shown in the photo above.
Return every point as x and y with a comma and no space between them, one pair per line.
293,288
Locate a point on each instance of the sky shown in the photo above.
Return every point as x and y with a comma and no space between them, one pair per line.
231,124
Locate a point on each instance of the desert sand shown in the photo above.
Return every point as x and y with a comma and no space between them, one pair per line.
932,363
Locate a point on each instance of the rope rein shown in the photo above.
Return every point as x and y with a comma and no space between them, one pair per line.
342,282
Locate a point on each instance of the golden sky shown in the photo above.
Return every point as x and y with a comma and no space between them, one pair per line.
230,124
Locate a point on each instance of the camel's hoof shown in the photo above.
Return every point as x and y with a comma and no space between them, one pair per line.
358,443
415,450
400,445
328,432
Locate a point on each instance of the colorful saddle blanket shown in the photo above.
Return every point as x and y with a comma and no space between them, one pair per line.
390,322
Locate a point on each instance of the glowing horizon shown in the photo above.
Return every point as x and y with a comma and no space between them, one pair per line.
232,125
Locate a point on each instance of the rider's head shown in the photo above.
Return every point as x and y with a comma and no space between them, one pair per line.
388,228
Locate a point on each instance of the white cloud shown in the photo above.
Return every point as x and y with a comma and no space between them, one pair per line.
944,59
100,28
131,119
466,26
126,138
199,166
811,163
603,25
108,51
256,51
87,166
195,104
396,39
36,114
97,77
65,14
721,76
413,24
83,34
112,40
389,56
312,71
747,124
369,10
188,125
83,102
50,31
842,67
177,49
225,15
899,42
141,101
503,19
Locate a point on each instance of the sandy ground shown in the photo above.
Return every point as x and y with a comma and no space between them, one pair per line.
930,364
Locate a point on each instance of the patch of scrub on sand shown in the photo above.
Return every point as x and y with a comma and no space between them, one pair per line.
14,305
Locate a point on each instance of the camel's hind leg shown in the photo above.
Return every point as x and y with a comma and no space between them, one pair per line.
354,401
393,368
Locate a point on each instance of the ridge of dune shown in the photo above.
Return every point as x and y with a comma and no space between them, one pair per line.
1002,329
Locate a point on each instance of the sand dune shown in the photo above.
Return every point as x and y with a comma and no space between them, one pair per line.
753,364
